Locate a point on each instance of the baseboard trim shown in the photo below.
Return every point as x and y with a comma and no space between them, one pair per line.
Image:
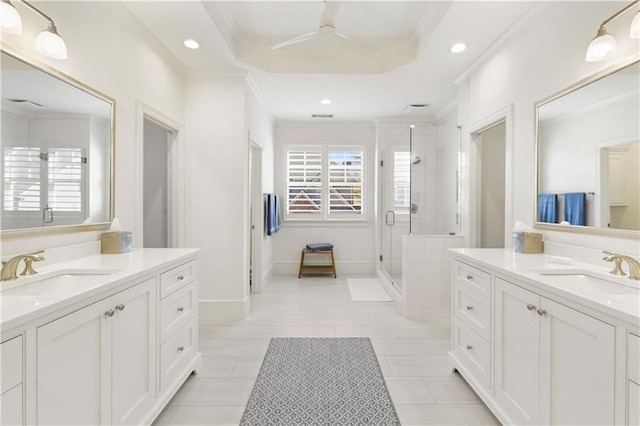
292,267
223,309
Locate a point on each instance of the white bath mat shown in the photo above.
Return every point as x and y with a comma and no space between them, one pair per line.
367,290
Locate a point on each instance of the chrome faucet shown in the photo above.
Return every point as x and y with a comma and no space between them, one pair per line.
634,264
10,267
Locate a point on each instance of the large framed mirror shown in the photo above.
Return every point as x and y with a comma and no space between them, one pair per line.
57,164
588,155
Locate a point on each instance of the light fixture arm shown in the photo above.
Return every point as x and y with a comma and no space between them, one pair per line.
30,6
612,17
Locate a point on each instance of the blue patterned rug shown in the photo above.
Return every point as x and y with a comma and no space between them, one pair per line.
320,381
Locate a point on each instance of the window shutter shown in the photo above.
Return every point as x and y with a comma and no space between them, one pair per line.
21,184
65,173
345,181
401,182
304,181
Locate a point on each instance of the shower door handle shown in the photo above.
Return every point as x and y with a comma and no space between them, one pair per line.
44,215
393,218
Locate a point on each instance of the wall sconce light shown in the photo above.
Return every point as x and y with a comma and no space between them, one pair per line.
48,42
604,43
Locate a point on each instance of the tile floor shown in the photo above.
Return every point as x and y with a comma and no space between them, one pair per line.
412,355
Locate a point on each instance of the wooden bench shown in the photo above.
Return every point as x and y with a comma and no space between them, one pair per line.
317,269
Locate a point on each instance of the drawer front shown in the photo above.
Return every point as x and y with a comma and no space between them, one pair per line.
477,279
473,309
176,278
473,351
633,411
176,309
11,407
11,354
176,353
633,358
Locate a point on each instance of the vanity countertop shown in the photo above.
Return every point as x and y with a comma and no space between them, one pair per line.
29,298
580,282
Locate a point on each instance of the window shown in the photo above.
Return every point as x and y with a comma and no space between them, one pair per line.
35,178
325,183
401,182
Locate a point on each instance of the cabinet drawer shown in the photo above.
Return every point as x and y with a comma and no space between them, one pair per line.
473,309
633,358
176,353
477,279
11,364
176,309
11,407
473,351
175,278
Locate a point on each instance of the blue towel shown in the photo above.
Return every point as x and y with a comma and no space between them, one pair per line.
271,213
319,246
548,208
574,207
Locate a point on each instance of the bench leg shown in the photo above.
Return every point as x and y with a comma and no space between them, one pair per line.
333,263
301,263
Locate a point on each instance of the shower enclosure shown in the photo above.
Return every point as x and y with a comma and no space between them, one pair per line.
418,184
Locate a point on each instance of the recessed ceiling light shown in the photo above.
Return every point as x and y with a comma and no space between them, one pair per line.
325,101
458,47
191,44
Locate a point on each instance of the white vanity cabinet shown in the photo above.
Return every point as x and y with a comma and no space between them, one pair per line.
539,354
553,364
112,350
96,366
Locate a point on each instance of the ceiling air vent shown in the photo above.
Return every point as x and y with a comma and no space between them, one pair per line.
321,115
416,107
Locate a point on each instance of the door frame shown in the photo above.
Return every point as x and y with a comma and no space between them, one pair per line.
256,217
177,180
471,221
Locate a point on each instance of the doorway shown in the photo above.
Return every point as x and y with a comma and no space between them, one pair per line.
156,178
492,159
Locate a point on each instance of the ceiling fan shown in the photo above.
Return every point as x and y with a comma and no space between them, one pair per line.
326,30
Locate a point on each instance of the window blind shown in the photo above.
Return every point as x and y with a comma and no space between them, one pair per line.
345,181
401,182
21,178
304,181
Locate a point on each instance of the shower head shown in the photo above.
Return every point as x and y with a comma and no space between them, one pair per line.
416,160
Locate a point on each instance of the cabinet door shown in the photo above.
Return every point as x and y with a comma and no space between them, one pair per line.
516,352
134,353
73,368
576,367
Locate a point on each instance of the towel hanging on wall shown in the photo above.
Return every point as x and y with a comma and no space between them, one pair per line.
548,208
271,213
574,208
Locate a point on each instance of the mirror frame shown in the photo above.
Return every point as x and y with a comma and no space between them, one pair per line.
620,233
68,229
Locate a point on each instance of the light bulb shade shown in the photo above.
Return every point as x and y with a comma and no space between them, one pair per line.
49,43
10,18
601,46
634,31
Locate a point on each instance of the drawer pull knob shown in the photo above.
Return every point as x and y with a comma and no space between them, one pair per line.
120,307
541,312
469,308
469,277
180,348
180,277
180,309
469,347
531,307
109,313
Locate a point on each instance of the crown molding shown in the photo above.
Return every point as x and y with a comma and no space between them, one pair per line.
133,24
446,111
507,37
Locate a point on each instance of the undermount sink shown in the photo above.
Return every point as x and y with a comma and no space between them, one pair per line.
590,282
53,283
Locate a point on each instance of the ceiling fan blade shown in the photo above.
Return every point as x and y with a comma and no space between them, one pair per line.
361,48
296,40
329,13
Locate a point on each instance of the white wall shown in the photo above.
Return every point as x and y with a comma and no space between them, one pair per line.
353,242
539,61
106,55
